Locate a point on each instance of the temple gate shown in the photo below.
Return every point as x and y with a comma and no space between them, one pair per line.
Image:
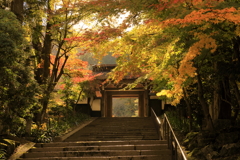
102,104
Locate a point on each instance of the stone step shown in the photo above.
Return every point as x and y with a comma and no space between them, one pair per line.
107,139
100,143
120,132
120,128
102,148
117,137
114,137
135,157
97,153
102,129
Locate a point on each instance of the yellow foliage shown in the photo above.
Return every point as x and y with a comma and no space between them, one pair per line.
43,127
237,31
34,126
205,42
164,92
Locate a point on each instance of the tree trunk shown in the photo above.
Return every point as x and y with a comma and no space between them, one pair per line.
28,126
216,96
237,94
207,117
188,107
232,79
17,9
221,108
45,102
37,45
47,48
45,63
225,101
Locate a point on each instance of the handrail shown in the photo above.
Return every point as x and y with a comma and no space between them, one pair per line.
157,123
165,132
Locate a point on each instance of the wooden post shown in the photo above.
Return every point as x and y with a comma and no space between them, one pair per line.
141,104
109,105
103,103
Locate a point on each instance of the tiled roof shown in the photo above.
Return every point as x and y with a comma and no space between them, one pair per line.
105,69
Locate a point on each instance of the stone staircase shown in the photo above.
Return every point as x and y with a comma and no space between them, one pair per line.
107,139
126,128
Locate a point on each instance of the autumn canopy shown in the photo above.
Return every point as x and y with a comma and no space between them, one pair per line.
185,47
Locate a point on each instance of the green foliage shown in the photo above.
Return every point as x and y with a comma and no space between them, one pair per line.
69,92
57,126
180,121
125,107
43,136
7,147
2,151
18,90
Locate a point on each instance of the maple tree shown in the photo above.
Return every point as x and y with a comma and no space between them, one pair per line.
51,50
47,24
176,44
76,82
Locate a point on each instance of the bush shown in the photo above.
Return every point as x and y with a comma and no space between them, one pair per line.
7,147
57,126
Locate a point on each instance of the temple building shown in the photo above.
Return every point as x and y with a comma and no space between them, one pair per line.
101,105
